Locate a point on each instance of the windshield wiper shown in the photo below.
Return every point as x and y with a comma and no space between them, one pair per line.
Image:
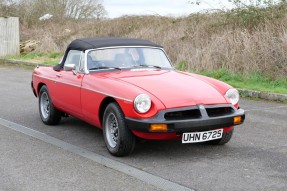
104,67
149,66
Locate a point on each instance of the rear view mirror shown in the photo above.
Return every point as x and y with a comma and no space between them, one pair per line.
69,67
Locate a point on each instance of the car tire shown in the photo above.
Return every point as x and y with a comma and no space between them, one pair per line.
48,113
223,140
118,138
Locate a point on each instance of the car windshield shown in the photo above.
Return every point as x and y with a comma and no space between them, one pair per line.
127,57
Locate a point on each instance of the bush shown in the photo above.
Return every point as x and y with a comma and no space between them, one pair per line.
251,17
233,41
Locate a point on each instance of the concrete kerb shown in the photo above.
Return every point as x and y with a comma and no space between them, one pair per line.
262,95
243,92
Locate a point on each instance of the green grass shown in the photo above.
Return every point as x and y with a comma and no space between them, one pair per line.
38,57
252,81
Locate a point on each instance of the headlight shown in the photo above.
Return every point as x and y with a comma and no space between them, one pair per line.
142,103
233,96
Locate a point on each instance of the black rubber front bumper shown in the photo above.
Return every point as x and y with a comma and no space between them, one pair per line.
202,122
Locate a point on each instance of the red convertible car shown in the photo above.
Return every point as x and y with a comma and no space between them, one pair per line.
129,88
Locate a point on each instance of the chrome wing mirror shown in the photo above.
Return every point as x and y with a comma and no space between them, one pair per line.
69,67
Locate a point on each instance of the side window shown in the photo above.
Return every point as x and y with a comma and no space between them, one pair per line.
73,57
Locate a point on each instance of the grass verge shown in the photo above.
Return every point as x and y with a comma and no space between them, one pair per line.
38,57
252,81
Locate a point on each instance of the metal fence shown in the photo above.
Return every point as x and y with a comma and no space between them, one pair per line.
9,36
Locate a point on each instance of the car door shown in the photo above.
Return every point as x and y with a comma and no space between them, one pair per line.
68,93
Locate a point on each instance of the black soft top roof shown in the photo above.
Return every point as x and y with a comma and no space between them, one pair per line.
92,43
83,44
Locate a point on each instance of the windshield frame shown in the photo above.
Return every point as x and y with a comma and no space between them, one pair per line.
87,71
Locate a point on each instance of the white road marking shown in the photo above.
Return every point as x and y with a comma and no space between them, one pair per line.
110,163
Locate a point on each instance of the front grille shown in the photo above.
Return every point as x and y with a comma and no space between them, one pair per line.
219,111
182,115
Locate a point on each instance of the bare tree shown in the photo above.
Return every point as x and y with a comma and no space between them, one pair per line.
71,8
84,9
29,11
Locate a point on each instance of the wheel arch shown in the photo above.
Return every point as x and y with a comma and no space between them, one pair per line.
40,85
103,106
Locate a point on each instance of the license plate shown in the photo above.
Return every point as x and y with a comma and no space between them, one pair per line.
202,136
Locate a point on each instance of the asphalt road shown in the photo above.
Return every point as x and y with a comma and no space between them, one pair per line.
255,158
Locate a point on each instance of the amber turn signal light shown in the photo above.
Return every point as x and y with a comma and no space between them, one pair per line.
237,120
158,128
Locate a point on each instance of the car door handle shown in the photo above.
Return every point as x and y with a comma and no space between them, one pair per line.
59,75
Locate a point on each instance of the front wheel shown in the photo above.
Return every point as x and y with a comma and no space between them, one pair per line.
48,113
118,138
223,140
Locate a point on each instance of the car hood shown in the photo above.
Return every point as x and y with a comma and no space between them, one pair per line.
172,88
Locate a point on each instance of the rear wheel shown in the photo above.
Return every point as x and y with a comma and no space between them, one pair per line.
48,113
118,138
223,140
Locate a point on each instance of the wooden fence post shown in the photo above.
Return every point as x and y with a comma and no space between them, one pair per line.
9,36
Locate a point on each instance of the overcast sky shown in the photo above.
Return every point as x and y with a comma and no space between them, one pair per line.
118,8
